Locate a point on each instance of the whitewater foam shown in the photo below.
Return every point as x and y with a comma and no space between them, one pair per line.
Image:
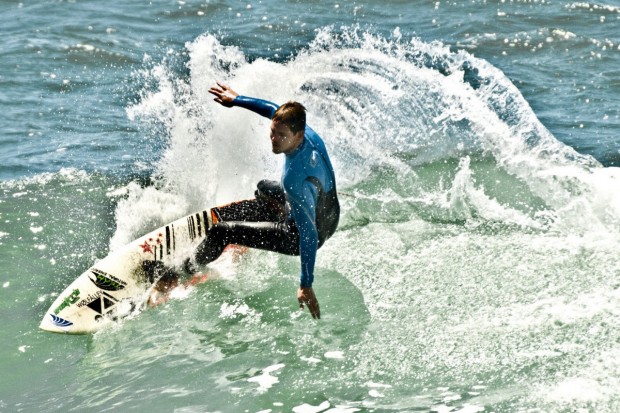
378,103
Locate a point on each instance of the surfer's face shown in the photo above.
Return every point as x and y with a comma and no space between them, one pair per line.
283,140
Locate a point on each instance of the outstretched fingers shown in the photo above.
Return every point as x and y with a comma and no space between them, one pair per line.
224,95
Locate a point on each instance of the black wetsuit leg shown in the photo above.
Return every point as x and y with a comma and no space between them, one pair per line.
281,237
258,223
261,224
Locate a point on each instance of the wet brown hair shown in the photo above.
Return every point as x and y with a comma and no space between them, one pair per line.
291,114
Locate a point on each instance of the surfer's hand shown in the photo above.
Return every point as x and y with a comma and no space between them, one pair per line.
305,295
223,94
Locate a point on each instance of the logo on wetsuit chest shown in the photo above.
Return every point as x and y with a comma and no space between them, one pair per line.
314,159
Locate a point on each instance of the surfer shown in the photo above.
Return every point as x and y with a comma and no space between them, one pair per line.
294,216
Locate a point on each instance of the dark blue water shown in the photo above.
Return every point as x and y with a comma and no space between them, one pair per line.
68,68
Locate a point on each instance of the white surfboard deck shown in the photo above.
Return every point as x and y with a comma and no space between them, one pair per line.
112,288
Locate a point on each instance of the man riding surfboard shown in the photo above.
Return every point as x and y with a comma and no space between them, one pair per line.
294,216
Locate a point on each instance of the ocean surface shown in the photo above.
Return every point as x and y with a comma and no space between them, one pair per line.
476,144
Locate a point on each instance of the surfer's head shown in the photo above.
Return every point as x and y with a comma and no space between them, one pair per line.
291,114
287,127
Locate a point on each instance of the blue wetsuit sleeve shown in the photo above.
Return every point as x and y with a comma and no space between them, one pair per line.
260,106
303,210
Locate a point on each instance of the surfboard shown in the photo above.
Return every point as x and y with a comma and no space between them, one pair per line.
116,286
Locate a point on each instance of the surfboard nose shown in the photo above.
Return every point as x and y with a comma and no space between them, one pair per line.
55,324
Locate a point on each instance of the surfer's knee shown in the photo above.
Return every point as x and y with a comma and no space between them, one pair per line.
271,191
214,244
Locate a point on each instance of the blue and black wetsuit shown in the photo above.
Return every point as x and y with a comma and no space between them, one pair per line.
308,210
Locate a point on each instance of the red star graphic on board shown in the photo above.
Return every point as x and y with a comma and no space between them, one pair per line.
146,247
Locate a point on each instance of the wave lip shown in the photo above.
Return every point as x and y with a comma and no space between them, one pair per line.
379,102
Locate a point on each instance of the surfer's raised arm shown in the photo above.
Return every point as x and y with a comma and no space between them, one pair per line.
227,97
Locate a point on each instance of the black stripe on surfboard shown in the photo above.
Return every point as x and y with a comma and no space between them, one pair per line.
168,240
191,227
199,226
